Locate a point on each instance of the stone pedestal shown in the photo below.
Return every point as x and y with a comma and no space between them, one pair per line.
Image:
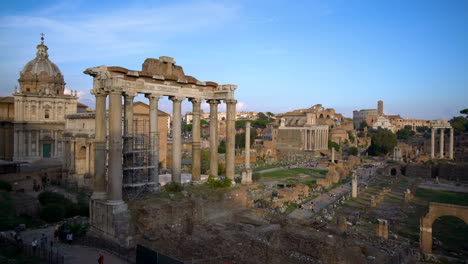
342,224
247,176
111,221
382,228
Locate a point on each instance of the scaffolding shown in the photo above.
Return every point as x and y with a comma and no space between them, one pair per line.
139,151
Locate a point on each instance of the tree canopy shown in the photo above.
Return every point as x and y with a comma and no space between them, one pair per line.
383,142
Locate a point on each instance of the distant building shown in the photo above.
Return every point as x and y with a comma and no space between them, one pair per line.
33,128
376,118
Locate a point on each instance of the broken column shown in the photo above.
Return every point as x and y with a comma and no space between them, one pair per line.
342,224
382,228
354,191
333,155
247,172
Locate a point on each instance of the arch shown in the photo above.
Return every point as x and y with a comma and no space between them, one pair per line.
393,170
437,210
321,116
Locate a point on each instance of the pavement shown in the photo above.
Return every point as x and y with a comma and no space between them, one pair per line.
73,254
326,199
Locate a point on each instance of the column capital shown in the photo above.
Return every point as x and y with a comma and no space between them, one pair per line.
230,101
153,96
196,100
130,94
213,101
98,92
176,98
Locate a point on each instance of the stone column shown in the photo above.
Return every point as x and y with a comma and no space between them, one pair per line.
230,137
99,185
176,138
451,144
432,143
196,154
29,143
247,173
442,143
154,137
333,155
38,154
213,137
354,184
114,191
88,154
247,145
128,121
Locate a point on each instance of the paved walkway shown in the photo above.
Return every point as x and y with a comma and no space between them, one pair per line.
74,254
326,199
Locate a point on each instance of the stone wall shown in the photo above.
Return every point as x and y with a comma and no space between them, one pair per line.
418,170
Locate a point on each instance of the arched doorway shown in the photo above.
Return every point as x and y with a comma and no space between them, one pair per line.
437,210
393,172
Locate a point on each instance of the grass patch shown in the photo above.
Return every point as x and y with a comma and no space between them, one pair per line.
438,196
294,173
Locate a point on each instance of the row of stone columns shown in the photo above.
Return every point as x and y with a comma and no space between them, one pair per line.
315,139
114,184
441,143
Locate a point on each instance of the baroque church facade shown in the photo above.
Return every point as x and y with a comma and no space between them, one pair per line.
34,120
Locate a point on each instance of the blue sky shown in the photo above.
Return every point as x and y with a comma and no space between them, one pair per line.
283,55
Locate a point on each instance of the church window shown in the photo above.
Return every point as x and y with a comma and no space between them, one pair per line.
46,114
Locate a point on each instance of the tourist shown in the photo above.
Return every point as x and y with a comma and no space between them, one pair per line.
34,245
43,240
101,258
56,235
69,238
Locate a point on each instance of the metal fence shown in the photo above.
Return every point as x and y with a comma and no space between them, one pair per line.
127,254
147,256
50,255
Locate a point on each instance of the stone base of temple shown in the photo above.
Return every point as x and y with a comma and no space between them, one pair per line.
111,221
247,176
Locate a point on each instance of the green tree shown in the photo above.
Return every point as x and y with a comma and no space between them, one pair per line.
459,124
404,134
270,116
383,142
222,147
351,136
240,138
205,161
332,144
422,129
262,116
353,151
363,125
464,112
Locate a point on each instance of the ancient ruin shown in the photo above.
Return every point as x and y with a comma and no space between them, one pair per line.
158,78
435,211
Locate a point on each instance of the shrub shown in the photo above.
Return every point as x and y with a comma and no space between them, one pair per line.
225,182
173,187
221,168
353,151
52,213
78,229
5,186
47,197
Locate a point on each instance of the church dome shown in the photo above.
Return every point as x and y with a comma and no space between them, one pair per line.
40,75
